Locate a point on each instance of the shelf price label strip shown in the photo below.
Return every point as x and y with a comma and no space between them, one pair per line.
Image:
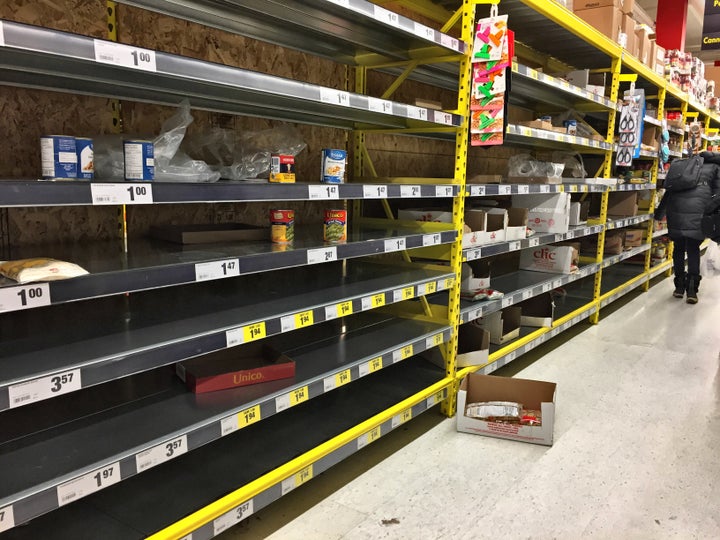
7,514
24,297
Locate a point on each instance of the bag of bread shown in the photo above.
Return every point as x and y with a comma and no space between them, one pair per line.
40,269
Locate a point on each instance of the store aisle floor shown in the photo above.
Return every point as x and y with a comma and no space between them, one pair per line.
636,453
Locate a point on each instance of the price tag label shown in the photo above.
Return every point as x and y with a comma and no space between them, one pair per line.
341,310
234,516
2,44
291,399
477,191
7,514
474,314
509,357
448,283
44,388
403,294
544,188
444,191
434,399
217,269
527,294
433,341
533,74
374,301
473,255
24,297
507,301
448,41
431,239
380,105
424,31
514,245
335,97
410,191
397,244
427,288
402,354
128,193
371,367
326,192
107,52
88,483
547,287
441,117
526,131
161,453
504,189
337,380
299,320
570,234
532,242
375,192
418,113
387,16
401,418
369,437
523,189
321,255
229,425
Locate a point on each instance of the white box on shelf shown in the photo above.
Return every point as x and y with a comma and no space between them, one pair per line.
425,214
470,282
551,259
503,325
546,213
517,224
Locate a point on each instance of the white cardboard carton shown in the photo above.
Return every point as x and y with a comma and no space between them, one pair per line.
537,311
473,346
546,213
477,221
503,325
534,395
470,282
552,259
517,224
578,214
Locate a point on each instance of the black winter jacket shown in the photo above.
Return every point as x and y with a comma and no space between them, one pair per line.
684,209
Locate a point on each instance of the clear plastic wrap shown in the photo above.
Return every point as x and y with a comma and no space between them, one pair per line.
525,165
574,166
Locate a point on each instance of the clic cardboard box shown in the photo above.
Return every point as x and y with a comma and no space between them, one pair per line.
476,221
503,325
551,259
606,20
472,279
533,395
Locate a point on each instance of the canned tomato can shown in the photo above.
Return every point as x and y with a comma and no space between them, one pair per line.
333,166
335,229
86,167
139,160
282,168
58,156
282,226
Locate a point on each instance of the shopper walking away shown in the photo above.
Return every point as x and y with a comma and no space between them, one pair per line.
684,209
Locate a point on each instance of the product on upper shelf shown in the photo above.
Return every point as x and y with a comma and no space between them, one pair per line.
139,160
525,169
86,162
551,259
282,168
58,155
40,269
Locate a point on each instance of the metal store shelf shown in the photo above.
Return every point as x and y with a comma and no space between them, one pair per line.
632,187
661,232
473,253
152,264
38,57
614,259
552,139
653,121
486,190
73,193
201,477
626,222
117,336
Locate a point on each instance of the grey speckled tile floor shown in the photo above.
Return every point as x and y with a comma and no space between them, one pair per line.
636,453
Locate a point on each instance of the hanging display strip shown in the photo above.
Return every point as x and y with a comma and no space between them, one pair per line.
557,83
29,504
626,222
545,135
479,309
625,255
632,187
474,253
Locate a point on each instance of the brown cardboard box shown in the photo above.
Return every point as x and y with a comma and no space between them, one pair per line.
518,115
538,124
634,237
622,204
651,136
537,311
580,5
659,60
628,28
628,6
503,325
642,34
606,19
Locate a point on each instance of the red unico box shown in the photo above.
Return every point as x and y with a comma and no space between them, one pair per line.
237,366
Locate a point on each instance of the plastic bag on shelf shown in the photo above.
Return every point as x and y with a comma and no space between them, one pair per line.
524,165
573,164
710,264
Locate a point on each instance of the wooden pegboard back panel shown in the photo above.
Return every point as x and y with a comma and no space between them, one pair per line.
61,225
77,16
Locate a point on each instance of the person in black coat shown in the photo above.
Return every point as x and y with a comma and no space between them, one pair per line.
684,210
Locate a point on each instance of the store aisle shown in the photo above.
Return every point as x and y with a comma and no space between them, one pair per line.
636,453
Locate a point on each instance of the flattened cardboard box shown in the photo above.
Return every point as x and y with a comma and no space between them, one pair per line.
534,395
253,363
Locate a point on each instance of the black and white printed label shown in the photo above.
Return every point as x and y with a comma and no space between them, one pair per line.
322,255
88,483
431,239
375,192
477,191
444,191
410,191
107,52
326,192
335,97
44,388
396,244
423,31
386,16
130,193
380,105
441,117
217,269
7,518
417,113
24,297
233,517
161,453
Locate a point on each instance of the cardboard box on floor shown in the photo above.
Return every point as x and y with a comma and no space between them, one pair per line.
533,395
538,311
503,325
607,20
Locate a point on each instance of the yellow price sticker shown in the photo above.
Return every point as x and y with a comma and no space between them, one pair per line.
573,188
430,287
298,396
408,292
304,475
304,319
561,188
343,377
377,300
373,435
249,416
253,332
375,364
437,339
405,416
439,396
345,308
533,74
449,282
406,352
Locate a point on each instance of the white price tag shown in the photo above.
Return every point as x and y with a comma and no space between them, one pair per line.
335,97
444,191
544,188
509,357
387,16
217,269
527,294
431,239
410,191
504,190
233,517
418,113
324,192
24,297
344,3
532,242
2,44
321,255
557,283
477,191
474,254
287,323
475,314
507,301
331,313
107,52
282,403
366,303
570,234
523,189
375,192
44,388
514,246
441,117
161,453
7,518
397,244
88,483
448,41
547,287
130,193
424,31
380,105
229,425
